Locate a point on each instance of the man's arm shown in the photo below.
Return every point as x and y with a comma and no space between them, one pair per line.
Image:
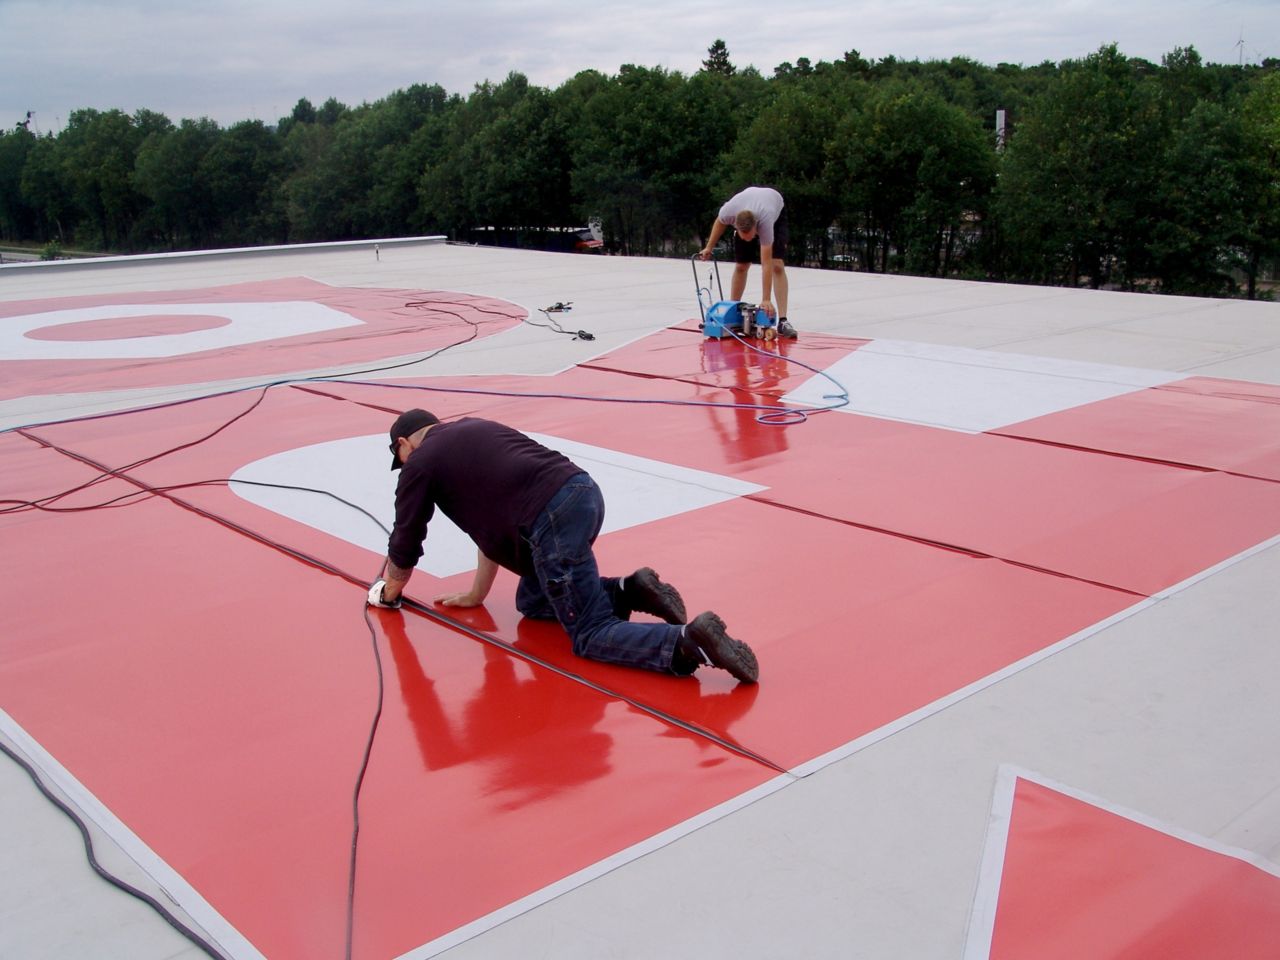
396,578
717,231
486,571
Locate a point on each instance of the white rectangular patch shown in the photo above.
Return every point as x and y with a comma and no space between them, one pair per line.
957,388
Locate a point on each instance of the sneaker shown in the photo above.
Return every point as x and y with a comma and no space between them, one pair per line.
785,329
706,632
643,591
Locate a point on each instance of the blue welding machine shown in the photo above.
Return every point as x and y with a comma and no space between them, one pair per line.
732,316
727,318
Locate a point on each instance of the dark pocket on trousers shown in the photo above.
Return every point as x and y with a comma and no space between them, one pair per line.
560,593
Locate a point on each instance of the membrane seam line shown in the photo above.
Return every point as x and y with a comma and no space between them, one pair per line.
942,545
1177,465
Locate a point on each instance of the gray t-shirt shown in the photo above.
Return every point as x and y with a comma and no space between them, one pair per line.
764,202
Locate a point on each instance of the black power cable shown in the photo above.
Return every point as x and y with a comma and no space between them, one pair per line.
553,324
203,944
355,796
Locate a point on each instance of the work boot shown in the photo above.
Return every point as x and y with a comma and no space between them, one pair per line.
786,330
643,591
705,632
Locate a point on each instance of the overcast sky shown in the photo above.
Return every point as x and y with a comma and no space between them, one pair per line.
235,60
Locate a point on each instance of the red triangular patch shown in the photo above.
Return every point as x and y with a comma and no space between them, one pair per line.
1082,881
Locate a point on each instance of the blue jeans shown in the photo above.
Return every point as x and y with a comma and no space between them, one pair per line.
567,585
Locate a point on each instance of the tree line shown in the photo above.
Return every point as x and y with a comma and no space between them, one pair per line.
1110,171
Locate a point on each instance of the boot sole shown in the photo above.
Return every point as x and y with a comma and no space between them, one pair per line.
708,632
657,598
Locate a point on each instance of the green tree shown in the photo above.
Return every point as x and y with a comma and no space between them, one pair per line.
244,173
633,137
718,60
1199,204
330,112
1260,239
18,219
1074,199
363,147
169,172
912,175
462,184
303,112
519,164
98,151
1184,83
414,120
46,190
313,189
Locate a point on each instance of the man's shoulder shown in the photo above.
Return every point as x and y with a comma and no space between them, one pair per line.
468,432
464,425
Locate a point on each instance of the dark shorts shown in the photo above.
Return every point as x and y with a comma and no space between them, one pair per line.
748,251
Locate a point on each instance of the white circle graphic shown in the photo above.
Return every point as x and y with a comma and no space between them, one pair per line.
250,323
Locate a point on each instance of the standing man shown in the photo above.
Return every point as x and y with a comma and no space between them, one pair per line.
533,511
759,219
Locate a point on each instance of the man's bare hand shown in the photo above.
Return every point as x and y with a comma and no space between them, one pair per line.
466,599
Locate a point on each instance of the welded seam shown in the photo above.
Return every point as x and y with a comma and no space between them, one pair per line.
1119,455
943,545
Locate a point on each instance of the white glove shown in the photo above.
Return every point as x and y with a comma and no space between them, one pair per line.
375,597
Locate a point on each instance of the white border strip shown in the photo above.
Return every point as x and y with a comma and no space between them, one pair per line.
598,869
172,885
982,919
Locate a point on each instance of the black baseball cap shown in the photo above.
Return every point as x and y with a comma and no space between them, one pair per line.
407,424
